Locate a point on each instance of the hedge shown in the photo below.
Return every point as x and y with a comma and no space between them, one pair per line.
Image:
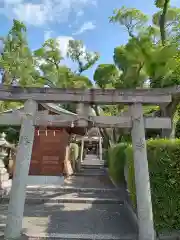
164,170
117,157
177,131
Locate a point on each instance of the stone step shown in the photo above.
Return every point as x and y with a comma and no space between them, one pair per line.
82,173
91,172
85,166
91,159
41,200
54,194
56,189
73,194
80,236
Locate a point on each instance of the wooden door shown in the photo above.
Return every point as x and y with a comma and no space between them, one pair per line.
48,153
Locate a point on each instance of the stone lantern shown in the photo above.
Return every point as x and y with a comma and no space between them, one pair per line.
4,176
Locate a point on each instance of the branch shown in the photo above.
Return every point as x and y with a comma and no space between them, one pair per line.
162,22
46,79
54,62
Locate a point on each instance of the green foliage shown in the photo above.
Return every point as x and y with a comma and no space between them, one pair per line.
128,60
117,159
16,61
177,131
4,105
80,81
152,52
48,59
106,75
12,133
52,72
133,19
43,66
172,17
164,170
77,53
160,3
130,176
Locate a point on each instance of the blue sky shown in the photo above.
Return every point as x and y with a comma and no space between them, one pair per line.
86,20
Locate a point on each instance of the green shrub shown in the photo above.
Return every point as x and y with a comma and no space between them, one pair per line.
177,131
117,159
130,181
164,170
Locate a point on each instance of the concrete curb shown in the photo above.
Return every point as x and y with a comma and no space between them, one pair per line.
128,207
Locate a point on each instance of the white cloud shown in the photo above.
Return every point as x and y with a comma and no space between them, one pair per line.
44,11
30,13
63,44
80,13
85,27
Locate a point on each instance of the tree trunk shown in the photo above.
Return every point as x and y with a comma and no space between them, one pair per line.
169,111
106,139
162,22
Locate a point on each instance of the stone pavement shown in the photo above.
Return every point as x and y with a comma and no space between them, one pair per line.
98,214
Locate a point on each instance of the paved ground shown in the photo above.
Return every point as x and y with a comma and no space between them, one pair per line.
74,218
77,219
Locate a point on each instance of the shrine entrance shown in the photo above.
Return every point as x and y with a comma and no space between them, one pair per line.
135,121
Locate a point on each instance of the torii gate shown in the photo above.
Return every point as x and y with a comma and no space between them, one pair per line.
31,118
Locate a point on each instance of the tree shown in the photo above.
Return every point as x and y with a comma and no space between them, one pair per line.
131,18
106,75
16,60
154,51
52,72
169,27
78,53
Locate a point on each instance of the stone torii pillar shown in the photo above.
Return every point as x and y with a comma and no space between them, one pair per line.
143,192
82,150
100,148
18,191
82,110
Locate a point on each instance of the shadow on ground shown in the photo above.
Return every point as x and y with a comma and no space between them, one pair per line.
77,218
